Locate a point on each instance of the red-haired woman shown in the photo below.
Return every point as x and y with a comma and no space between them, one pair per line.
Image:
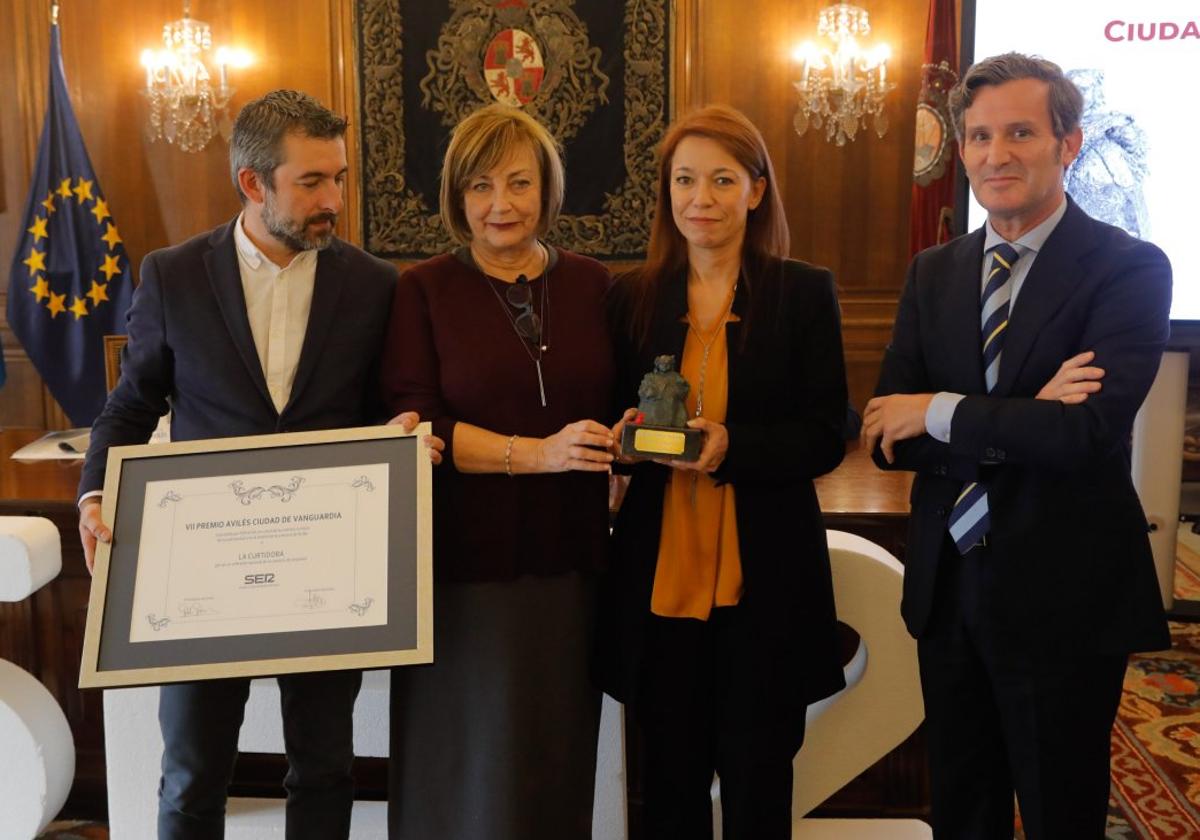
718,625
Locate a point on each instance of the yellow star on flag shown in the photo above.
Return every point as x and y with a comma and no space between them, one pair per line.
83,191
56,304
39,229
98,293
40,289
49,203
111,236
36,261
64,189
79,307
100,211
110,267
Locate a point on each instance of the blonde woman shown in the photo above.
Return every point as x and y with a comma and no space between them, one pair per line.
503,345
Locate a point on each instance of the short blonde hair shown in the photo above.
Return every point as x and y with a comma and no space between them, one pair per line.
482,141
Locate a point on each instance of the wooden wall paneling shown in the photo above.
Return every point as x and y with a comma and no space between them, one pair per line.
302,45
3,179
61,617
159,195
24,39
685,56
172,195
345,98
867,319
847,206
100,58
17,644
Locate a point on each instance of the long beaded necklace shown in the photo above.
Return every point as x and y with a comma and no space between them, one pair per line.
707,344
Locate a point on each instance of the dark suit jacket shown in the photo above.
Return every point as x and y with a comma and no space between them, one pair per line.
785,417
1073,569
190,343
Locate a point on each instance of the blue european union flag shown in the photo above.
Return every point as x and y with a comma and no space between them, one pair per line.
70,283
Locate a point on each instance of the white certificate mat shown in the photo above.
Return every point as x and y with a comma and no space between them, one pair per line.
262,553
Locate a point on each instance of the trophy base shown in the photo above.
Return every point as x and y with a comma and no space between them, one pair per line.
647,441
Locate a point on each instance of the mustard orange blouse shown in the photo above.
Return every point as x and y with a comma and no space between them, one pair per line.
699,566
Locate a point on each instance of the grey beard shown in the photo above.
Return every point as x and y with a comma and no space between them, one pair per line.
293,235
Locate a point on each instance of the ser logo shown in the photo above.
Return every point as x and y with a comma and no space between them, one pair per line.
259,579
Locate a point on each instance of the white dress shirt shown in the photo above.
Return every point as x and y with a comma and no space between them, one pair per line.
278,301
940,413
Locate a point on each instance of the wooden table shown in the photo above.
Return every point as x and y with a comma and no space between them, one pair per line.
44,634
53,481
861,498
858,487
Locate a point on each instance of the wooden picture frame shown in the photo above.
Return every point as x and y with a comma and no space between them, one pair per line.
216,535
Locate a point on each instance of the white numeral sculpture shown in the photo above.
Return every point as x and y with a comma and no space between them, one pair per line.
37,755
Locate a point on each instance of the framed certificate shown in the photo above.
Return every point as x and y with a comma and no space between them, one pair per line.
252,556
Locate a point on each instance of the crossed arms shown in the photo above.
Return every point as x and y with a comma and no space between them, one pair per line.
1071,419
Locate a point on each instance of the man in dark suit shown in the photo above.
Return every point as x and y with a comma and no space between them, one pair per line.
1028,577
266,324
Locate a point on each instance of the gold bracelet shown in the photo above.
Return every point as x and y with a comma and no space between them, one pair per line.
508,456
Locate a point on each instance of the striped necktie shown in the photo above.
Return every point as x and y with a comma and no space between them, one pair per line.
969,521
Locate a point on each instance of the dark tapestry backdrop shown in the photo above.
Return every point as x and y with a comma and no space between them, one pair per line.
597,79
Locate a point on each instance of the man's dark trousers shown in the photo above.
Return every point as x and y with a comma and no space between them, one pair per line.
317,719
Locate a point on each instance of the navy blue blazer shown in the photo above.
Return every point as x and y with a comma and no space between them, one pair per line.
191,350
1073,568
786,418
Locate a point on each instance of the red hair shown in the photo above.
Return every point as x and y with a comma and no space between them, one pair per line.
767,241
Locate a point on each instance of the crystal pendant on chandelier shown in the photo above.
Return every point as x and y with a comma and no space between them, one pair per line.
840,88
185,107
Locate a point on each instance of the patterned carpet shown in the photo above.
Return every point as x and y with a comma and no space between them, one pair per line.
1156,741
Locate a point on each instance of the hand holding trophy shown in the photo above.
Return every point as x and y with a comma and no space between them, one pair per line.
660,427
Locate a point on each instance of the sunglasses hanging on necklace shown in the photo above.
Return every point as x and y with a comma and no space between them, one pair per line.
531,328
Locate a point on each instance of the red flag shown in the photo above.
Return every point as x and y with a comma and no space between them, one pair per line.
932,206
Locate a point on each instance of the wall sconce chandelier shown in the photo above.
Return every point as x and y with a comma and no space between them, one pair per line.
840,87
185,108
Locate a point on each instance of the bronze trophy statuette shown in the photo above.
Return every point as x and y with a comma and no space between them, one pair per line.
660,428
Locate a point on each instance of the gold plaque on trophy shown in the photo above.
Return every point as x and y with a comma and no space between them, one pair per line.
660,428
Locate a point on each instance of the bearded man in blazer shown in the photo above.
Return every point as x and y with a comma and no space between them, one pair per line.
1020,355
267,324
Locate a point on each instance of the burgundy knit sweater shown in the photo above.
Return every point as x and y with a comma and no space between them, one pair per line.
452,354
